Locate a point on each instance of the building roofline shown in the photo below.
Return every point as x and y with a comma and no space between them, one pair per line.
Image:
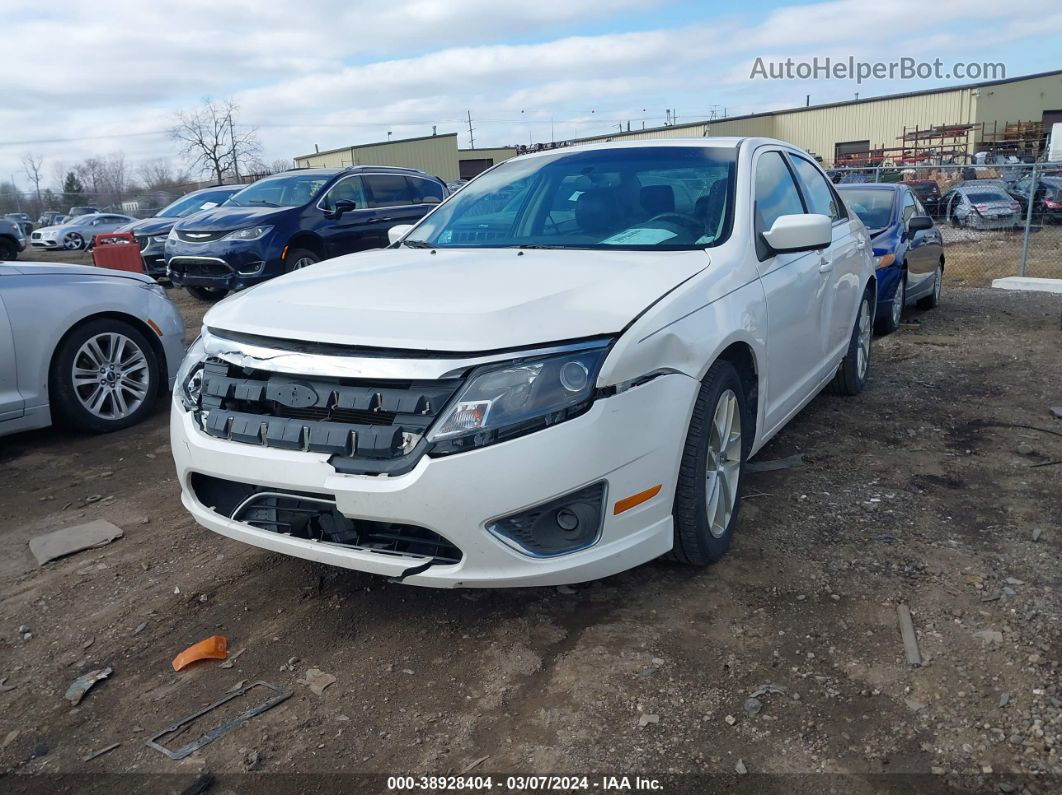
841,103
375,143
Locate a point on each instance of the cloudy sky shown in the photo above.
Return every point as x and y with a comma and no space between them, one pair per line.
94,78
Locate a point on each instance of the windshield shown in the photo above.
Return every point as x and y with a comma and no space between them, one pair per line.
290,190
874,207
660,198
186,205
987,196
81,220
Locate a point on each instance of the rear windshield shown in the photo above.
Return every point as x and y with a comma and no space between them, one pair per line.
987,196
636,198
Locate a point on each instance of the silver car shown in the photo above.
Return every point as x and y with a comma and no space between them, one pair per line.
78,231
88,347
981,204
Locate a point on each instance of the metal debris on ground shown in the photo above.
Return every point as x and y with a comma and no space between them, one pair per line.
646,718
763,690
213,648
753,706
907,632
474,764
317,680
5,687
279,695
791,462
1056,412
232,659
106,749
60,543
740,767
80,686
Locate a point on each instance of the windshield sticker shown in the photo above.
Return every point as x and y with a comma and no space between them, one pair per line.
575,196
639,237
208,205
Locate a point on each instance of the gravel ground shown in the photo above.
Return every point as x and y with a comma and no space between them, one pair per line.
784,658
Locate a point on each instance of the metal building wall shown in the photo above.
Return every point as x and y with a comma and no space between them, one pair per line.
1025,100
436,154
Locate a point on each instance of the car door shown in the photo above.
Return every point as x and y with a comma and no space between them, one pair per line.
11,403
795,288
354,230
392,197
841,265
923,247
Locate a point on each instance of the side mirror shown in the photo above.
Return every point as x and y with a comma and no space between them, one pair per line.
919,223
806,232
342,206
396,233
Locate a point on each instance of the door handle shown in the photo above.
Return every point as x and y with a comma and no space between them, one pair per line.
378,220
825,265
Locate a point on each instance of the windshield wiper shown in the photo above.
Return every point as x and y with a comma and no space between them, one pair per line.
417,244
537,245
262,202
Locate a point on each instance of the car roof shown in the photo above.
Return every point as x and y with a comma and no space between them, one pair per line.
892,186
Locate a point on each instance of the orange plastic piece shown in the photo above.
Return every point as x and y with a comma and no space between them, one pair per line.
213,648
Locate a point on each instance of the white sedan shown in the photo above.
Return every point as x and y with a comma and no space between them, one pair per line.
79,231
555,376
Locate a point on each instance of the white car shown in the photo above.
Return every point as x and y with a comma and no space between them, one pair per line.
556,375
79,231
89,347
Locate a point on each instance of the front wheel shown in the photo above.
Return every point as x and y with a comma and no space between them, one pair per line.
73,242
886,324
299,258
8,250
852,375
708,493
105,377
933,299
207,293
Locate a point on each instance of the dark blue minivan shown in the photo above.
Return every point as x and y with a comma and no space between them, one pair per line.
294,219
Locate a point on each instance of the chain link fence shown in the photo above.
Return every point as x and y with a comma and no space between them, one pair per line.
996,220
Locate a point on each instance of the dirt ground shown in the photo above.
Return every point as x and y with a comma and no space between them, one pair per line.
909,494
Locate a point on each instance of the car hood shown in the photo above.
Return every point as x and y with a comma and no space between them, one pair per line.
149,226
460,301
60,269
224,218
51,229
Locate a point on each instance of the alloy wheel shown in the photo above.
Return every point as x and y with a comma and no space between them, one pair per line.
863,341
723,465
302,262
73,242
898,302
939,278
110,376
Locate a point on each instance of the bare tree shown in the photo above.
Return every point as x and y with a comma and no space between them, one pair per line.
32,166
278,166
213,142
114,177
159,174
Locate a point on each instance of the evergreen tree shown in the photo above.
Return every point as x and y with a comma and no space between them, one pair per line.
72,190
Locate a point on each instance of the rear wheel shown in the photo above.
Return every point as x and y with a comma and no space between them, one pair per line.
708,493
207,293
852,375
104,377
933,299
890,322
8,250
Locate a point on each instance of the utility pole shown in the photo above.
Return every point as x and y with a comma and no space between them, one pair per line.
471,139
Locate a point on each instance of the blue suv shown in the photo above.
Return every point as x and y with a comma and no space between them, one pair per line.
291,220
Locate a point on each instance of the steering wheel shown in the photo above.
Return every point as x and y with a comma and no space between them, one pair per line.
691,223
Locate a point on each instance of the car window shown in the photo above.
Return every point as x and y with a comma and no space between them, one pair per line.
425,191
873,206
776,193
350,189
817,191
287,190
388,190
907,210
636,198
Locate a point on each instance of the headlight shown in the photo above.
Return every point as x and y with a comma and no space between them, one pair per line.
250,233
502,401
160,238
884,260
190,375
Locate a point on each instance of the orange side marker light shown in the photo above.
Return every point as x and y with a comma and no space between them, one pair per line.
636,499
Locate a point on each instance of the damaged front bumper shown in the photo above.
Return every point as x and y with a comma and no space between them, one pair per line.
435,523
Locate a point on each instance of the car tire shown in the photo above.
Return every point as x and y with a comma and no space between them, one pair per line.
122,396
852,374
73,242
932,300
8,250
886,324
299,258
712,467
210,294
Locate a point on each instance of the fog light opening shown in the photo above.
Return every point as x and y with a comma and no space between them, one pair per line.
559,527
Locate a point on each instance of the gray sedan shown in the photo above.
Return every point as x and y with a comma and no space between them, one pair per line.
981,204
79,231
88,347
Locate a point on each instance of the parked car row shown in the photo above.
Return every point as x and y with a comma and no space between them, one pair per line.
78,231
